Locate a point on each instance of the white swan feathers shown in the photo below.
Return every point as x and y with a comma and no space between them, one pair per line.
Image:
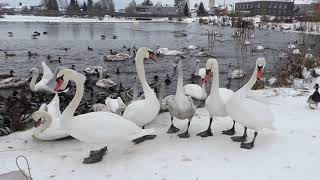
47,119
248,111
95,127
143,111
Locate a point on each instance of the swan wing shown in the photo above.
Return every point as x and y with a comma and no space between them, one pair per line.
47,74
225,94
54,111
193,90
104,127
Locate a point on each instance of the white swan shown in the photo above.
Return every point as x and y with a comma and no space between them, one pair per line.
48,119
309,54
199,72
104,127
247,43
13,82
296,51
217,99
47,82
196,91
104,83
118,57
167,52
115,105
144,111
247,111
235,73
180,106
260,48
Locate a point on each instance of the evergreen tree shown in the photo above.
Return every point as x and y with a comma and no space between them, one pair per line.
195,5
186,10
89,5
73,6
84,7
201,10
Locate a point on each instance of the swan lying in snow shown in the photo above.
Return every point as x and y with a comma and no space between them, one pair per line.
250,112
104,127
47,120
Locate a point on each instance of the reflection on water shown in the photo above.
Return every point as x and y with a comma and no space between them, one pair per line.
78,37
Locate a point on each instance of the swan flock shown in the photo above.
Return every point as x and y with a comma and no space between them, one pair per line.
110,127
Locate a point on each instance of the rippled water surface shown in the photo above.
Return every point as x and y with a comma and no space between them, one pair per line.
78,37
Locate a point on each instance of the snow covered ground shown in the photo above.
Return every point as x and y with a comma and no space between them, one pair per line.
289,153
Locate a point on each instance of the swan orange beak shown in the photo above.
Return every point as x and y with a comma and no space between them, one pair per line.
38,123
152,56
207,76
259,72
59,82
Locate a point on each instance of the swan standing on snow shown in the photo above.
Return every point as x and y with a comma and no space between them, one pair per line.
48,119
250,113
144,111
180,106
216,101
104,127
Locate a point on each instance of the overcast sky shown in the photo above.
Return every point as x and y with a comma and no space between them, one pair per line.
118,3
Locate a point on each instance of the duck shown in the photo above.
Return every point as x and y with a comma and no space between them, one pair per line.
47,78
10,34
180,106
48,57
47,118
252,36
5,76
32,54
235,73
191,47
90,48
118,57
196,91
250,112
114,37
45,32
217,99
103,36
104,127
142,112
167,80
91,70
55,60
9,54
260,48
314,99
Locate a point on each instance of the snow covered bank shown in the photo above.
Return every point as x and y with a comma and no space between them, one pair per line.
36,19
291,152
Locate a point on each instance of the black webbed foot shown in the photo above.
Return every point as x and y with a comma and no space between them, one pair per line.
173,129
143,138
205,133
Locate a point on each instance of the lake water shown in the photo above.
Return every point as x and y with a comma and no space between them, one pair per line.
78,37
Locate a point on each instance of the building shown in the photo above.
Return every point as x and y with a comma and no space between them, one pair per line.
156,11
306,9
271,8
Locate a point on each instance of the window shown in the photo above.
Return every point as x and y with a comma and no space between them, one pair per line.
259,5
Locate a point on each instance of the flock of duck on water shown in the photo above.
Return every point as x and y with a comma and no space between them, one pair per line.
129,122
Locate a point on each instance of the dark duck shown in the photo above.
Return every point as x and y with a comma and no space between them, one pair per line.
314,99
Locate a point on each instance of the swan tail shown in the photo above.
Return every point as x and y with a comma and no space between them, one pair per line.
144,132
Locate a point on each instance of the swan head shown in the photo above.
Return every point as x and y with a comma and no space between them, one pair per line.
38,117
260,65
66,75
145,53
211,68
34,71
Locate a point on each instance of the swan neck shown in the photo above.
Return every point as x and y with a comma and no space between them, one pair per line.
197,69
215,82
33,81
142,77
180,89
244,90
73,105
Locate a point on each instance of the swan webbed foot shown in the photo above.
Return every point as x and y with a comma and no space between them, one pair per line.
101,151
184,135
173,129
205,133
242,138
249,145
230,132
239,138
143,138
93,159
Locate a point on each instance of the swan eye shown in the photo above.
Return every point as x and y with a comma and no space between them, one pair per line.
60,78
260,67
